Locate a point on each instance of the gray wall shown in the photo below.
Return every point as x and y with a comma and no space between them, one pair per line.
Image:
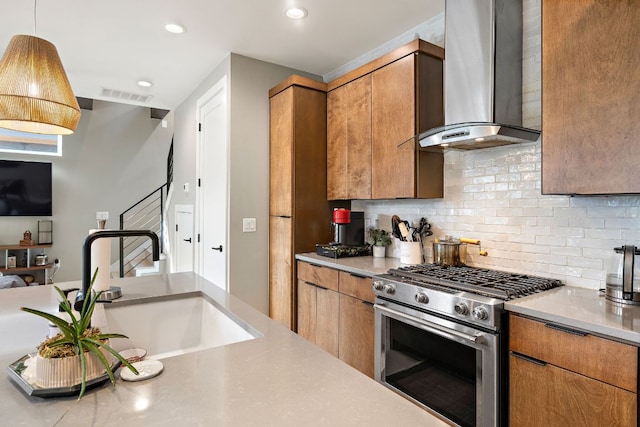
249,84
109,163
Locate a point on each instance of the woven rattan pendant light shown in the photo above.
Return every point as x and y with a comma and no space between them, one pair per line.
35,94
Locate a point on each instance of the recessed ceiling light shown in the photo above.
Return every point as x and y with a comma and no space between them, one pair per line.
145,83
175,28
296,13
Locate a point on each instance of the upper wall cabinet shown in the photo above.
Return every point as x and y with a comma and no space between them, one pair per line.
590,86
349,140
371,112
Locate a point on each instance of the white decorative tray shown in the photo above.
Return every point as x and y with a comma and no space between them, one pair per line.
22,372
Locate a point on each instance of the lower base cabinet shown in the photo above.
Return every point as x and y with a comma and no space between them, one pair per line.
563,377
335,312
356,334
318,316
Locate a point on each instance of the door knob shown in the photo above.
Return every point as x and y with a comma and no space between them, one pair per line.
187,240
219,248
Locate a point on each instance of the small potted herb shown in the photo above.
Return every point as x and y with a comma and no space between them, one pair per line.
379,239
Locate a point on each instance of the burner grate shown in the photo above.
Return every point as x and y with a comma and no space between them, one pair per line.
481,281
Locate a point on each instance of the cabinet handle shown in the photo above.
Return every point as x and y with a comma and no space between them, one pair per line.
315,286
529,359
565,329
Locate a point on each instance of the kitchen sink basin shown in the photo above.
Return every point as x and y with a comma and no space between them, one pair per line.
169,327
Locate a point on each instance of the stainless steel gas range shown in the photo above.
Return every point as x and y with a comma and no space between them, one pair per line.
440,337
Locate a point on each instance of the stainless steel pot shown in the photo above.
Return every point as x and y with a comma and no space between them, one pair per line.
41,259
449,252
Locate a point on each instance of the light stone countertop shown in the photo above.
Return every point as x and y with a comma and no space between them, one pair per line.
362,265
584,309
278,379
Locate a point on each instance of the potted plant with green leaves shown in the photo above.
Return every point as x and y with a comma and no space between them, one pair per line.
379,239
79,352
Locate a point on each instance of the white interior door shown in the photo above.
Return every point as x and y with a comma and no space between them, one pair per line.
184,238
212,191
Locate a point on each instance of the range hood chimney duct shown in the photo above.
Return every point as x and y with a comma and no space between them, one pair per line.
483,77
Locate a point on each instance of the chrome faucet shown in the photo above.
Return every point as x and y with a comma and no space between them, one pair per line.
86,256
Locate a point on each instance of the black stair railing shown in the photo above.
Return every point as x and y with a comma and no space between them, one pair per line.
146,214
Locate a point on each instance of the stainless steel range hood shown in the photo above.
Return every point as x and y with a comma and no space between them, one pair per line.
483,77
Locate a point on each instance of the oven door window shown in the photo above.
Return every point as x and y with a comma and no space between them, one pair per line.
435,371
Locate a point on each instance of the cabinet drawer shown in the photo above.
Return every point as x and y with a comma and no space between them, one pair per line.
551,396
356,286
599,358
321,276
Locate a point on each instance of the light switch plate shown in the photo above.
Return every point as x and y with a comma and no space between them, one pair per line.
248,225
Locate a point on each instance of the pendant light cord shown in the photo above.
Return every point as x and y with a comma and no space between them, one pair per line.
35,26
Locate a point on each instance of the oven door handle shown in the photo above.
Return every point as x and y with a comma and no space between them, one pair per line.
431,327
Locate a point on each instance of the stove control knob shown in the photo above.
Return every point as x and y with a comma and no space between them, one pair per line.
389,289
423,298
461,308
378,285
480,313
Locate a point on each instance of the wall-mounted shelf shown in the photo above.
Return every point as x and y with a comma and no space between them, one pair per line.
27,257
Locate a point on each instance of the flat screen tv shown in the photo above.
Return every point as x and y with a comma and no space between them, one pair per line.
25,188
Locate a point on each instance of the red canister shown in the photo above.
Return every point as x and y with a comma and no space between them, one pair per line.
341,216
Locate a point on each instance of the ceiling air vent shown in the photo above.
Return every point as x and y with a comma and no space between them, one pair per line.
123,95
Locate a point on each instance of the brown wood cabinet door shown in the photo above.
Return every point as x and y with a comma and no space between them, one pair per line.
551,396
327,304
357,334
359,138
281,296
393,108
281,153
337,144
349,141
307,311
590,86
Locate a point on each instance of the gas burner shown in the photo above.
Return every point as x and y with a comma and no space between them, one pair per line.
481,281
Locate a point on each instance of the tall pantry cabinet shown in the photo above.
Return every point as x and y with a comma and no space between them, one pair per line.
299,214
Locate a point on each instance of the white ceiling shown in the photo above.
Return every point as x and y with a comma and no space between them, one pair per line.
113,44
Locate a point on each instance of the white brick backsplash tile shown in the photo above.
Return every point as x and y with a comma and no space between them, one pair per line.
631,236
522,238
518,202
552,259
605,212
554,201
567,231
537,231
536,249
602,233
583,262
551,241
566,250
629,223
603,254
553,221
